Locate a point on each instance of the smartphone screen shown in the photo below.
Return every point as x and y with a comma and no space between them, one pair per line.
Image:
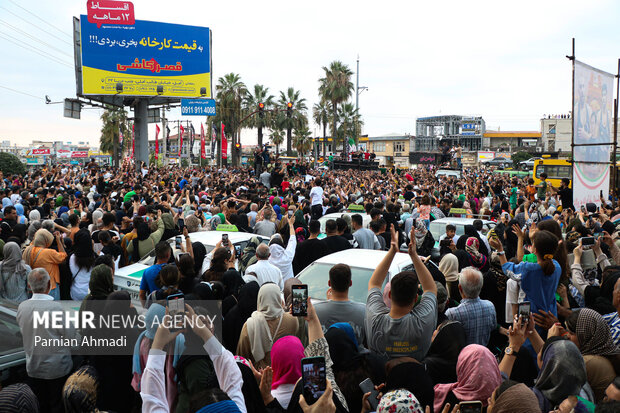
313,378
470,407
367,386
300,300
290,214
176,310
524,312
177,242
225,239
587,241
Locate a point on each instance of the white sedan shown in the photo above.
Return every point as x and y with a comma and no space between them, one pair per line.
128,278
362,262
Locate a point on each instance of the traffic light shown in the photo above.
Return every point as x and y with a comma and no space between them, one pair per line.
289,109
238,147
261,110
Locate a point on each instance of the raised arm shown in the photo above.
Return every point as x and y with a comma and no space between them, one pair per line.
378,276
424,275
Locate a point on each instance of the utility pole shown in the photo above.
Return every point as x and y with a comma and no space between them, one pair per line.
164,136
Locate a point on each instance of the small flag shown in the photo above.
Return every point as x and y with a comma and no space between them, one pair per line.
224,144
182,131
156,142
203,154
133,140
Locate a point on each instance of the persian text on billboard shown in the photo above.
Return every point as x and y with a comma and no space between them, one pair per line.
144,56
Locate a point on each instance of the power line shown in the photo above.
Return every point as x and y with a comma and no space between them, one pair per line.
20,92
33,49
36,39
44,21
38,27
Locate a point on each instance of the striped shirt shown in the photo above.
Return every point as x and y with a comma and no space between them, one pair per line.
613,320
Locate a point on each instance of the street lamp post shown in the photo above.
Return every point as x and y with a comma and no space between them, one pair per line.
358,90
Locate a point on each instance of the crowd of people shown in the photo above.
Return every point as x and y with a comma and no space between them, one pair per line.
524,317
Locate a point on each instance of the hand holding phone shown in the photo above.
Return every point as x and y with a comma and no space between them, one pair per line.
225,240
176,310
524,312
470,407
300,300
367,386
313,378
177,242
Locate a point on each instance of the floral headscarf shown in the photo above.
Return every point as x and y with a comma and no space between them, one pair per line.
420,232
399,401
472,245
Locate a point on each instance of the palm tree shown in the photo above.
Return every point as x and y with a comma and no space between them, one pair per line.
298,116
114,121
277,137
231,92
350,122
303,140
260,95
336,87
320,115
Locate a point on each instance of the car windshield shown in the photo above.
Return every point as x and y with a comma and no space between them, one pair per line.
11,335
439,228
317,275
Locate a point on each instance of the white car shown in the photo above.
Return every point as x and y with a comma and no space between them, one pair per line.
362,262
128,278
335,215
438,226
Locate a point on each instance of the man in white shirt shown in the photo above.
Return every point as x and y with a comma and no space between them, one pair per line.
48,366
478,225
316,199
264,270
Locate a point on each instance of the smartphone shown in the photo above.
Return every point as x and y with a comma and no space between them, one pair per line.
313,378
176,310
587,242
367,386
225,240
178,240
524,312
300,300
290,214
470,407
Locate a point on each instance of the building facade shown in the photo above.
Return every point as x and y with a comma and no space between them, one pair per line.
433,131
511,141
391,150
556,133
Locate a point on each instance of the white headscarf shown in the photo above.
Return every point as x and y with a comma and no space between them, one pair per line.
449,266
269,307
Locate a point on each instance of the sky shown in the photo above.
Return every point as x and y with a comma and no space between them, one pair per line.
504,61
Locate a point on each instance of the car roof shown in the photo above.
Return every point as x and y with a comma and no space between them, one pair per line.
213,237
363,258
463,221
339,214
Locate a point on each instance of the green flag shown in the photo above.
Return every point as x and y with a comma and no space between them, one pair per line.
351,141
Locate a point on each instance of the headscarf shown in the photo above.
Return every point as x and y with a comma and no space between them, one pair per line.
342,349
222,218
477,376
101,283
563,374
239,313
97,215
517,399
471,246
288,290
594,335
215,221
269,307
192,223
411,375
399,401
286,355
80,391
443,354
249,252
83,244
19,208
420,232
224,406
200,252
347,328
5,203
18,398
34,215
449,267
12,262
42,238
233,282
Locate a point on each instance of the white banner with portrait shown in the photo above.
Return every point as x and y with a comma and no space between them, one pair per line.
593,123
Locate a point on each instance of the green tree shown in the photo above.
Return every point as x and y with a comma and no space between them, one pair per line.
320,115
350,122
277,137
298,116
336,87
11,165
302,140
114,120
230,94
251,101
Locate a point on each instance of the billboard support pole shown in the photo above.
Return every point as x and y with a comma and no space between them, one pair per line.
572,135
613,159
142,133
